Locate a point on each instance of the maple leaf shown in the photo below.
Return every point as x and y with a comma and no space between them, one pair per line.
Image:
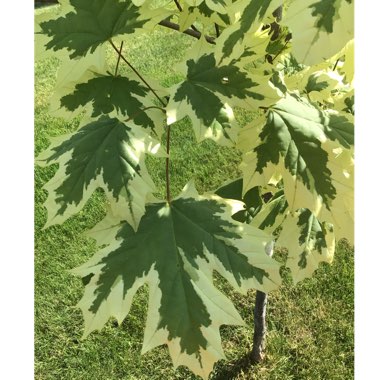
320,28
175,250
89,24
107,154
211,90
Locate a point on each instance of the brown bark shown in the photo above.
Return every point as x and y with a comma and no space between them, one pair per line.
259,314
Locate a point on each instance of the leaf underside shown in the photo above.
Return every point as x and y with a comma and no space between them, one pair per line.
292,143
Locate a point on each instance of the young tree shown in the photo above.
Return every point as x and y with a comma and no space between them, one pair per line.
290,62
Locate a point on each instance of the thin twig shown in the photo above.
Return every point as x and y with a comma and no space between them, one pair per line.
167,165
137,73
178,5
194,28
190,32
118,58
336,64
286,43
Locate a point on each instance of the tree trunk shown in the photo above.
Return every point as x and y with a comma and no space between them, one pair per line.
260,327
259,319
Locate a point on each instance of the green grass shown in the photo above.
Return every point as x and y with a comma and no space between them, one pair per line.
310,325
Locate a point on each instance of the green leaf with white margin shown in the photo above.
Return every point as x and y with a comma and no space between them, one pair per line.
105,154
348,67
84,87
324,85
345,62
91,23
214,5
219,6
264,215
269,216
290,145
202,14
109,94
233,40
209,89
308,243
175,250
320,28
341,210
234,190
74,71
288,65
249,138
40,39
187,17
193,3
254,49
344,102
319,83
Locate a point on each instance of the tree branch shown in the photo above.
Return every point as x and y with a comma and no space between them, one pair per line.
137,73
190,32
260,326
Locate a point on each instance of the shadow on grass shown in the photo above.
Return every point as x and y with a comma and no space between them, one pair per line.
229,370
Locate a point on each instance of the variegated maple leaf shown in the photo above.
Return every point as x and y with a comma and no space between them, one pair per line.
107,94
205,12
292,142
232,42
78,30
320,28
175,250
107,154
308,242
209,92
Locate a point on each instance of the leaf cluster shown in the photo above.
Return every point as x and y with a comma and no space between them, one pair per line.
290,64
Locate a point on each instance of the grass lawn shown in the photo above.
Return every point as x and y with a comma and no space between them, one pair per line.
311,334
